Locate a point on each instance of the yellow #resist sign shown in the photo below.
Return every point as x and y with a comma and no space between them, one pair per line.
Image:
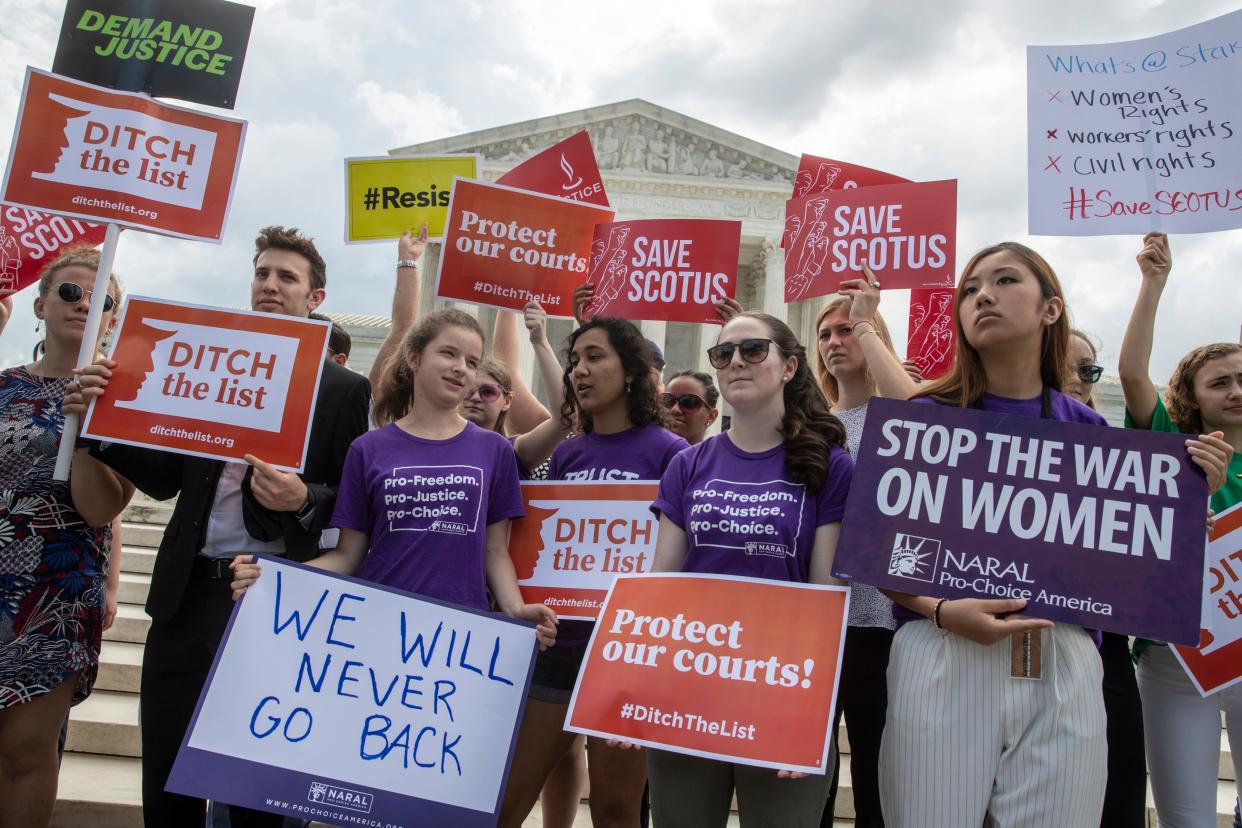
386,195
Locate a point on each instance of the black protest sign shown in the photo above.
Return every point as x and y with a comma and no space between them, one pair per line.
187,49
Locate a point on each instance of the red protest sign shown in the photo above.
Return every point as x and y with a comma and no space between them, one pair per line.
1217,662
664,269
817,175
715,666
566,169
577,537
212,382
931,331
107,156
29,240
505,247
905,232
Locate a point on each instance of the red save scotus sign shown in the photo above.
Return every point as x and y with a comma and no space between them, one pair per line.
673,270
566,169
505,247
96,154
212,382
904,232
29,240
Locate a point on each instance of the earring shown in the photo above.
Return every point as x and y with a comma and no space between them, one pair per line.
38,323
627,387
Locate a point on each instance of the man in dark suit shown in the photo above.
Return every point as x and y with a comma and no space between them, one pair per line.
226,509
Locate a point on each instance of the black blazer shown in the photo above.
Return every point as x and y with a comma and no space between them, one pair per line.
342,410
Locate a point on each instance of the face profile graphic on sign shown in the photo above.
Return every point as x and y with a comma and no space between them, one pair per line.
914,557
529,542
191,371
122,150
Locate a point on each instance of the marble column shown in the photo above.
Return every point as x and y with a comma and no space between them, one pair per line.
770,270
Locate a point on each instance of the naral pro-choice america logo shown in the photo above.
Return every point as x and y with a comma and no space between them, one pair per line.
915,557
324,794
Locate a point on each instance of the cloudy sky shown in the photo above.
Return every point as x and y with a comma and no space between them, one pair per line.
924,90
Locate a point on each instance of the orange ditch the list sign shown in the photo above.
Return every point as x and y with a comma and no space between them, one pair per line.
212,382
505,247
107,156
738,669
577,537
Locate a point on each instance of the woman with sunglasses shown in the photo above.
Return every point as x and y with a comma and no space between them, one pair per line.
1204,398
420,429
764,376
689,405
1125,794
609,391
53,559
855,361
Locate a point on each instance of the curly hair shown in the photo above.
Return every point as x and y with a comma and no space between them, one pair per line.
711,394
810,430
636,363
966,381
395,394
78,256
280,238
1180,399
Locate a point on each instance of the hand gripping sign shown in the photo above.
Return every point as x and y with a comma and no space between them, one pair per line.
664,269
505,247
212,382
1096,526
905,232
30,240
566,169
345,702
106,156
577,537
1217,662
388,195
1126,138
739,669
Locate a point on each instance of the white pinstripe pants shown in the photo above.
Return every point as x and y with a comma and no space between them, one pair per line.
966,745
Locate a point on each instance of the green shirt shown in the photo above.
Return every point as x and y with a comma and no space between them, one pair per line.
1229,494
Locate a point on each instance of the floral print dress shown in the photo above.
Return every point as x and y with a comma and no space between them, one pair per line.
53,567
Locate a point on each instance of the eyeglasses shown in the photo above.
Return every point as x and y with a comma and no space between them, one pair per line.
687,402
753,351
487,392
72,293
1090,374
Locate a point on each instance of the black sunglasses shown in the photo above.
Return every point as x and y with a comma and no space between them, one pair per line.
753,351
1090,374
688,402
72,293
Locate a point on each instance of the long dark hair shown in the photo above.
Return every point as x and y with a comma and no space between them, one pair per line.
395,394
809,428
636,363
966,380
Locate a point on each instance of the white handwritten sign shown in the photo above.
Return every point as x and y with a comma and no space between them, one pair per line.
1125,138
332,698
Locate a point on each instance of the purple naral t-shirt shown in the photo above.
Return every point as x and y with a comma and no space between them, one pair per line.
741,513
426,505
634,454
1061,408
